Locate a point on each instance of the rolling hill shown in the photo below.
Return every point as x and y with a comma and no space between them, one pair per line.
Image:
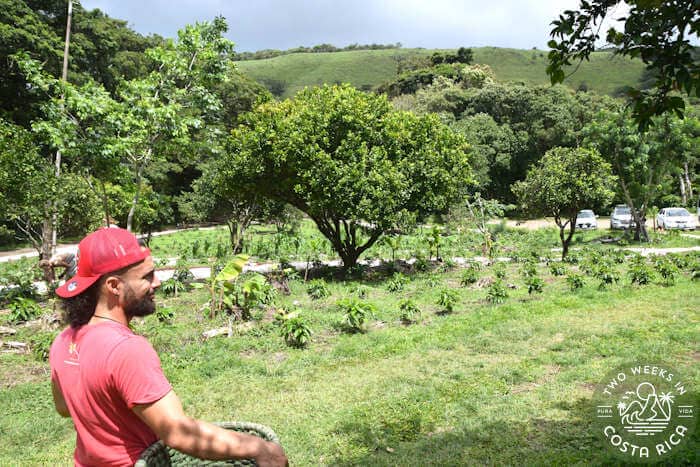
366,69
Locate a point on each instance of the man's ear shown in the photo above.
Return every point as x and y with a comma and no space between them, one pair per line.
113,285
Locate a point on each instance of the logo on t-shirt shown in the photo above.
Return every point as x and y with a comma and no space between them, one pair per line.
73,355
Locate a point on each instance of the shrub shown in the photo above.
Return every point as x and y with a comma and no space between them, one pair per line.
23,309
409,311
534,284
497,292
575,281
317,289
355,313
293,329
447,300
469,276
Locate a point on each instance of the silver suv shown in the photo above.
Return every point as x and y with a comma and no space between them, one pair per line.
621,217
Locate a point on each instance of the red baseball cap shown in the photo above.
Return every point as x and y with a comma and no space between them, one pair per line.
103,251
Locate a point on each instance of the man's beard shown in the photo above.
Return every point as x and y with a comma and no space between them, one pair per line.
137,307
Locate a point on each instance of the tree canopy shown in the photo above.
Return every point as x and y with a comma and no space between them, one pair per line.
562,183
347,160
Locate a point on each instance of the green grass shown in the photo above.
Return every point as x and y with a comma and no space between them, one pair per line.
366,69
485,384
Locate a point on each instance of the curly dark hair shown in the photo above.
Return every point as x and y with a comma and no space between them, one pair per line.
79,309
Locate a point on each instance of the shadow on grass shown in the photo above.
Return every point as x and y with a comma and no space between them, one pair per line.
410,440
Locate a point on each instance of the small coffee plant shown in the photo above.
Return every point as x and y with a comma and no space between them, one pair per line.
529,269
606,274
410,313
22,310
639,272
317,289
165,314
469,276
293,329
575,280
359,290
40,343
497,292
557,269
355,313
433,280
666,269
447,300
499,270
397,282
534,284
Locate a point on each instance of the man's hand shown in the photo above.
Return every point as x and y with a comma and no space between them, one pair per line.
58,400
274,456
204,440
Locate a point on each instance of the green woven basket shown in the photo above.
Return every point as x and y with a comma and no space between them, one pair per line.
160,455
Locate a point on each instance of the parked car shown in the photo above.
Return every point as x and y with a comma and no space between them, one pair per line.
675,218
621,217
586,219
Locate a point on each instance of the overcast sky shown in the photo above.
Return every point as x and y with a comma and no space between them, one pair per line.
283,24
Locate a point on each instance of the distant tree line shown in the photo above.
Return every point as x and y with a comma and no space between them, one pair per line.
321,48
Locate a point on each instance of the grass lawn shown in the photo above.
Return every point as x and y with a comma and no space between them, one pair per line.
485,384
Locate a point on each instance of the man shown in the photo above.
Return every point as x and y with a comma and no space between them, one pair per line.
64,260
109,380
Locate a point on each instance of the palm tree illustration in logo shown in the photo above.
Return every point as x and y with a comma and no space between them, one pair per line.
646,412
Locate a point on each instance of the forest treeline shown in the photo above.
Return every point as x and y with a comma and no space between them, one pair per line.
320,48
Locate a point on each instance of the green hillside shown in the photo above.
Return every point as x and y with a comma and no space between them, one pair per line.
366,69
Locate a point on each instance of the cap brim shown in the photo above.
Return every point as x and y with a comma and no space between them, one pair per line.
75,286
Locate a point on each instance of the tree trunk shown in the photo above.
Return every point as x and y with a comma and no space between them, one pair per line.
684,198
135,199
105,204
689,186
640,230
565,238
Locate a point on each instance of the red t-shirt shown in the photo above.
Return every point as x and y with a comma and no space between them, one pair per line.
104,370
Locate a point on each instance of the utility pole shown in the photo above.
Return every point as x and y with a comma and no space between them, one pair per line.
52,226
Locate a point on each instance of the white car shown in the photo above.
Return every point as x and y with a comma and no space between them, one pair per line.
621,217
586,219
675,218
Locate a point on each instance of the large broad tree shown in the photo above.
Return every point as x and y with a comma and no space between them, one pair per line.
659,32
348,161
562,183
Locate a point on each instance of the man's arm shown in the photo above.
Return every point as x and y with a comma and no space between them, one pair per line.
58,399
204,440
